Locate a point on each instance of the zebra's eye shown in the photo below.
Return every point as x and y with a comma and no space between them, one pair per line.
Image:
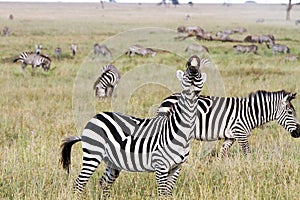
290,112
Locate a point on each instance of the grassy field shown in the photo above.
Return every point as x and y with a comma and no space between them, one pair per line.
38,111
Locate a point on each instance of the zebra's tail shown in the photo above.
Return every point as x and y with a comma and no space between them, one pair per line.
66,151
15,60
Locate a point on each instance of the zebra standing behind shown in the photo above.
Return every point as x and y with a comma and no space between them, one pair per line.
245,48
107,81
197,48
35,60
233,118
160,144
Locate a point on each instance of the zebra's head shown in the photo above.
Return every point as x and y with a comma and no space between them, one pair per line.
192,80
286,115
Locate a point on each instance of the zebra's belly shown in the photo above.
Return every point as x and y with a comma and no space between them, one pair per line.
128,161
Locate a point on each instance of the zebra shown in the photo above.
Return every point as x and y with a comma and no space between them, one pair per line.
140,50
245,48
279,48
6,31
107,81
233,118
297,22
267,39
101,49
197,48
35,60
160,144
74,49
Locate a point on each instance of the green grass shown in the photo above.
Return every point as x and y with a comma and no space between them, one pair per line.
38,111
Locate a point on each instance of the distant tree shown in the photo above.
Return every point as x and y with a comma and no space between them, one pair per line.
289,8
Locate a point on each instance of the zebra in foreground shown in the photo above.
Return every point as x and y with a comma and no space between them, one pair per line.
35,60
160,144
233,118
107,81
245,48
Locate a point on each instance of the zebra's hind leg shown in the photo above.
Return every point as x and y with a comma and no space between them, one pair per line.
107,179
243,142
225,147
89,165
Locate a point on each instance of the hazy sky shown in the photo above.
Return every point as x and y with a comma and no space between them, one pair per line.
153,1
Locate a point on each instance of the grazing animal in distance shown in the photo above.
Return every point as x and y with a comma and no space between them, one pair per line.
160,144
260,20
6,31
292,57
74,49
197,48
35,60
107,81
233,118
267,39
102,50
251,38
245,48
11,17
297,22
279,48
140,50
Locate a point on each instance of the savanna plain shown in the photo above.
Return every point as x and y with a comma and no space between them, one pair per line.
39,109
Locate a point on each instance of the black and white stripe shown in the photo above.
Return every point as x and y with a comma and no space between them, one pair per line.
35,60
233,118
107,81
160,144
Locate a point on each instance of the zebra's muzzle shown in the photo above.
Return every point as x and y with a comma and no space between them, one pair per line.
296,133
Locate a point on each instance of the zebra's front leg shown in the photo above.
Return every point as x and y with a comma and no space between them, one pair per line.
107,179
173,175
243,142
225,147
161,175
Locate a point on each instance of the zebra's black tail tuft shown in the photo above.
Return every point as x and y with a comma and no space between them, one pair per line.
15,60
66,147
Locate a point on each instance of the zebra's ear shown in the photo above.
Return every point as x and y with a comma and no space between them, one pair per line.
203,75
179,75
291,96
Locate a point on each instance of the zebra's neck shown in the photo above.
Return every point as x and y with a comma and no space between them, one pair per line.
262,107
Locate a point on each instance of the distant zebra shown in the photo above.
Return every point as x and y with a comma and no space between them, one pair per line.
245,48
292,57
233,118
160,144
197,48
29,58
101,50
74,49
279,48
107,81
297,22
6,31
140,50
267,39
